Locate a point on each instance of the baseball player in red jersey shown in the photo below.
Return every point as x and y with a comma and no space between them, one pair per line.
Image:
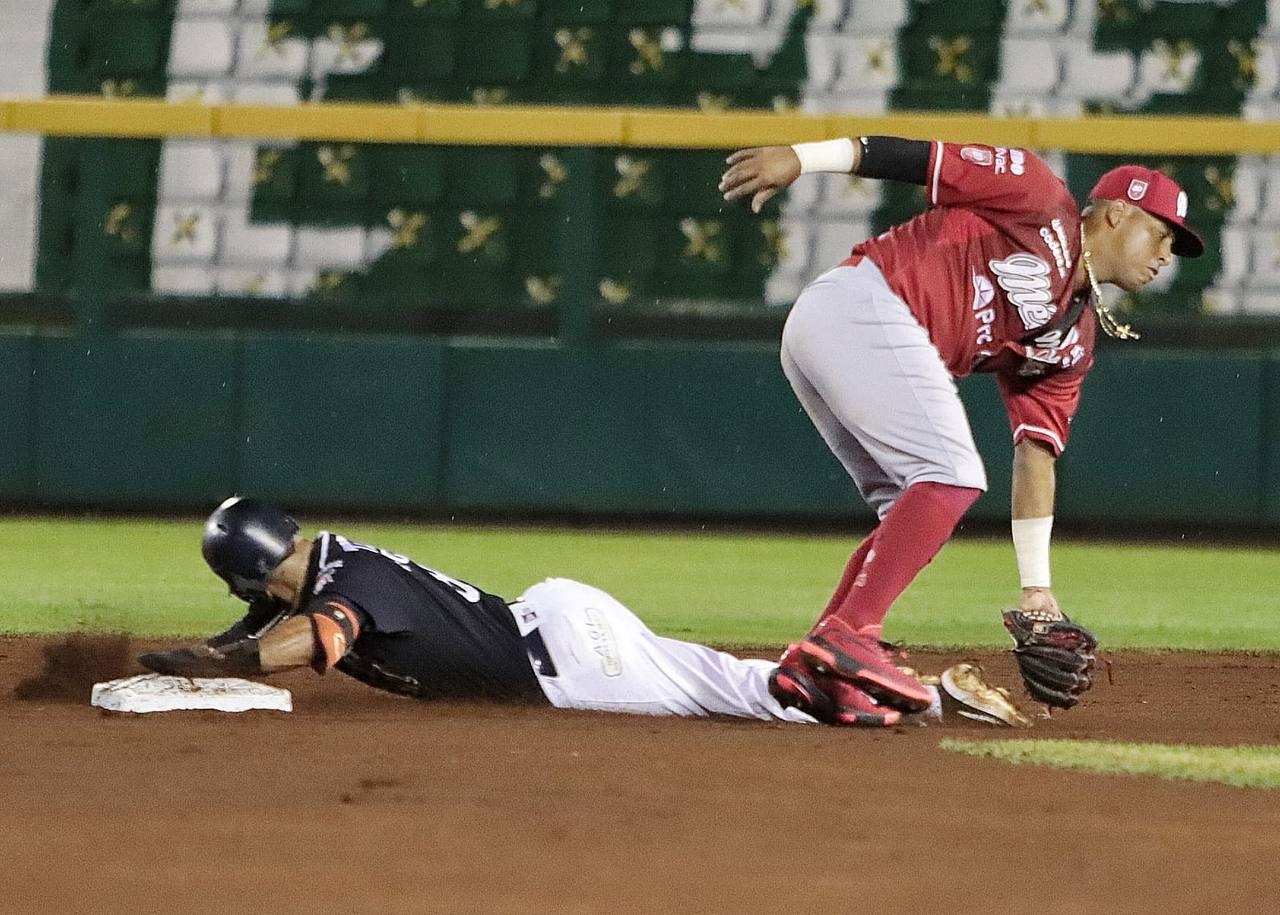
1000,274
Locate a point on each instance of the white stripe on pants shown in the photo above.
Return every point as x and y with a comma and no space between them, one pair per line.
875,387
607,659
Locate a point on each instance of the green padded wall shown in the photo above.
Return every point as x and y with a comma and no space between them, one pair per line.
134,420
341,420
670,429
1165,436
17,415
1271,439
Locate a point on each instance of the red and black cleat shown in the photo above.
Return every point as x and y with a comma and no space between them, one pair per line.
835,649
829,700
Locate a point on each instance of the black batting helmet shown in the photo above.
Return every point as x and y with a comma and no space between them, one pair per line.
244,541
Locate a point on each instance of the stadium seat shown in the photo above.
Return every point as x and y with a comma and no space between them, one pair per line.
267,52
875,16
481,176
329,249
494,55
265,283
847,195
1167,66
1264,258
648,58
1235,254
569,56
833,240
345,47
1247,187
868,65
652,12
1036,17
1029,67
537,256
627,257
774,246
499,10
201,48
207,7
266,93
1261,302
632,179
1090,75
248,243
190,170
577,12
333,181
823,52
728,14
185,233
170,280
348,9
422,53
407,175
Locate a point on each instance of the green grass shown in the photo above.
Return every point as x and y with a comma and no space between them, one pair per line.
146,577
1240,766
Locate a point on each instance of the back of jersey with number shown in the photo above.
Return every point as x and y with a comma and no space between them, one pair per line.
423,633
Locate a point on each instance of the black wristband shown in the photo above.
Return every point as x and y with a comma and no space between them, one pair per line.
895,159
242,657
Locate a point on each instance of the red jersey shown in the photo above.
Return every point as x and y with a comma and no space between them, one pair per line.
987,264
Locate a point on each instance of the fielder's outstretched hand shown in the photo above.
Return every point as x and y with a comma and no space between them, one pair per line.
202,661
759,174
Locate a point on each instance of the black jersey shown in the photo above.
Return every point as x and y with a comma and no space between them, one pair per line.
422,633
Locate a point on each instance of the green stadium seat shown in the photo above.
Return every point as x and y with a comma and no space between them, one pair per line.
408,175
570,55
577,12
652,12
628,256
420,54
544,174
408,10
482,176
126,45
494,55
976,14
275,182
349,9
720,82
130,166
696,247
644,58
692,183
537,256
631,179
289,8
949,62
1180,19
333,182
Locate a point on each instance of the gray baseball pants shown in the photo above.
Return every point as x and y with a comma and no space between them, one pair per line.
874,385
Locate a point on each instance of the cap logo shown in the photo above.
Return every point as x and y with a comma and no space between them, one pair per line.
1182,204
1137,189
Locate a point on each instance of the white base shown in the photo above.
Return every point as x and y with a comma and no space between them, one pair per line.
156,693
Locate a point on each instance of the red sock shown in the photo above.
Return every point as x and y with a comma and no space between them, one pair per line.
851,570
908,538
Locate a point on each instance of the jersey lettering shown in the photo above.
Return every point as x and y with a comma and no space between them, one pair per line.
983,293
469,593
1025,280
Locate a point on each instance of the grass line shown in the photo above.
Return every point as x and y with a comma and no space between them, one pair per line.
1241,766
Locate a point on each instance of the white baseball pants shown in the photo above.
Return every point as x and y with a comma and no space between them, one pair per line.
602,657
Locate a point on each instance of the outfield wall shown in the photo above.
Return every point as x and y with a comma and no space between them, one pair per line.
157,419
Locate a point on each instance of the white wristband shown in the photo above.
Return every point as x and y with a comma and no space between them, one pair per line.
825,156
1031,547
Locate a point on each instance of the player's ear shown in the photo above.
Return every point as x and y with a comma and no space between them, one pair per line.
1115,212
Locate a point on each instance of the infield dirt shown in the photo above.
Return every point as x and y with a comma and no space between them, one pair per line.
364,802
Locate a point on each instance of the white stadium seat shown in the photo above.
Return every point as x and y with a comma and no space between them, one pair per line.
1270,210
1091,75
1036,17
203,91
1265,257
1222,301
875,16
330,249
206,7
728,14
1029,66
834,239
172,280
1166,67
846,195
868,64
261,93
339,53
1261,302
248,243
184,233
200,47
190,170
1235,254
246,281
724,41
822,53
257,59
1247,187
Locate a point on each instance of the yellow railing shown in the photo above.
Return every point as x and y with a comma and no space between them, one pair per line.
638,127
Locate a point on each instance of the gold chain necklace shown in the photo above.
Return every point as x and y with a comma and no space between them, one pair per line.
1108,322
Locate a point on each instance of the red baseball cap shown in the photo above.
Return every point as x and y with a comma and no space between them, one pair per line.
1159,195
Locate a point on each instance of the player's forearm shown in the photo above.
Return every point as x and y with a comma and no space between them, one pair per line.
1033,480
891,158
290,644
1032,527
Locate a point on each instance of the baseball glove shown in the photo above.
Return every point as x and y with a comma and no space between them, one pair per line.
1055,656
